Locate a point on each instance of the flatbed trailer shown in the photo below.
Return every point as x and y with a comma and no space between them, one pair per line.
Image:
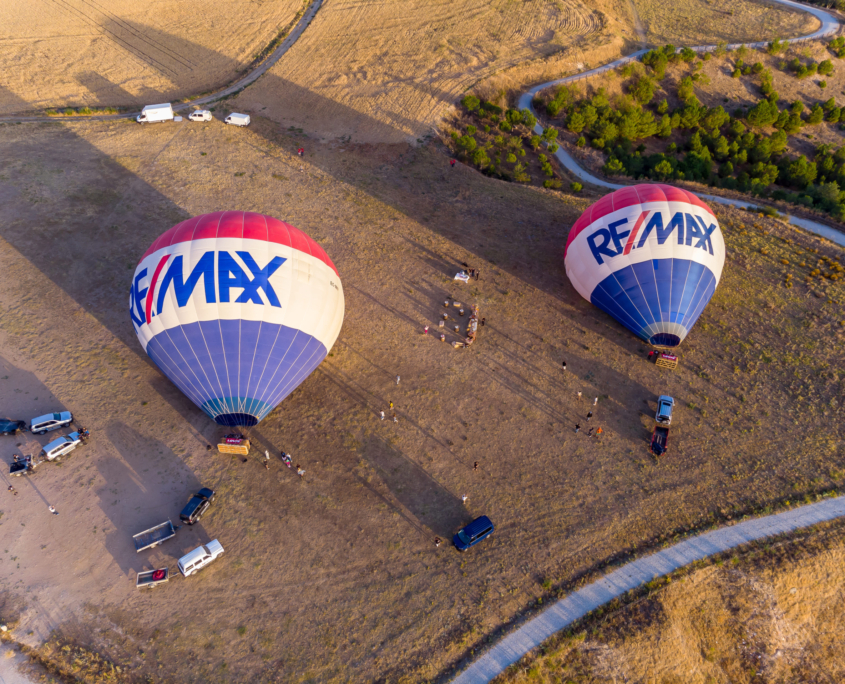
152,578
154,536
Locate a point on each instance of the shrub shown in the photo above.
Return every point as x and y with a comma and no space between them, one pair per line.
576,187
687,54
643,90
471,130
471,102
86,111
777,46
664,169
68,112
552,183
511,158
492,109
613,167
736,73
553,147
575,122
764,113
721,49
581,141
480,159
534,141
816,115
467,143
825,67
837,46
822,84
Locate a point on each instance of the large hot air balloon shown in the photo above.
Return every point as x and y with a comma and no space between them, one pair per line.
650,256
237,309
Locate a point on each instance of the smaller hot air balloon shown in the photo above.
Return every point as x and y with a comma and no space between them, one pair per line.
651,256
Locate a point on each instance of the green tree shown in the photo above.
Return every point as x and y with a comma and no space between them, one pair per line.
535,141
834,115
663,107
590,115
480,159
663,169
816,115
471,102
467,143
643,89
825,67
765,173
778,142
720,148
575,122
793,124
528,119
665,128
613,167
762,114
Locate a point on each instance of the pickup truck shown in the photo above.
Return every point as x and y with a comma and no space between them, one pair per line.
152,578
659,440
154,536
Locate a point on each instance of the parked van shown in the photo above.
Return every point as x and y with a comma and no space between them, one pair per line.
61,446
237,119
153,113
478,529
197,559
200,115
51,421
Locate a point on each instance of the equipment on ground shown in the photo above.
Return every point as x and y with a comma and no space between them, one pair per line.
651,256
237,309
663,360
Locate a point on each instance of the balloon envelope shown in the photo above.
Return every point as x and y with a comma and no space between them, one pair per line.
237,309
650,256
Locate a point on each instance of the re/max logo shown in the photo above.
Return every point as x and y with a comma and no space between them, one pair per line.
227,270
692,232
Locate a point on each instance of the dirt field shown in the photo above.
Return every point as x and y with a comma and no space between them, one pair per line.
693,22
96,53
773,614
336,578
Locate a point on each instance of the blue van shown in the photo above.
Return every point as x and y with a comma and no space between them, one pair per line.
473,533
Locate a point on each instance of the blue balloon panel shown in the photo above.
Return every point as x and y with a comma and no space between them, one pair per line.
658,300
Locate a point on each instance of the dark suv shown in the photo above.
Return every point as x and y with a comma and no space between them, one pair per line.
10,427
478,529
197,506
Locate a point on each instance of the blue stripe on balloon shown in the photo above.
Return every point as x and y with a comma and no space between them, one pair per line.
234,366
656,296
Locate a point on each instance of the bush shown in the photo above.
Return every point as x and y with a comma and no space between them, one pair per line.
471,102
837,46
576,187
825,68
471,130
534,141
511,158
553,147
643,90
777,46
581,141
687,54
480,159
552,183
816,115
575,122
489,107
613,167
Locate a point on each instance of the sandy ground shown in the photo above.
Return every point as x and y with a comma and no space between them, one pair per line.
92,52
772,615
336,578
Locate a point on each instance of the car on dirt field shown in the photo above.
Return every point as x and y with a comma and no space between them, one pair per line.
61,446
50,421
660,440
200,115
472,534
10,427
197,506
236,119
197,559
665,404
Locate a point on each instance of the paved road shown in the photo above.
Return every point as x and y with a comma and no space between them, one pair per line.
251,77
829,25
634,574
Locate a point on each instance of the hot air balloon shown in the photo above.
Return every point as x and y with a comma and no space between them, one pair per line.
237,309
650,256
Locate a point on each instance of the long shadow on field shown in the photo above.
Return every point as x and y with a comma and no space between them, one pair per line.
418,492
146,486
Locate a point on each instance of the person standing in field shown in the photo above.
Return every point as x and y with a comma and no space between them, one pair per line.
464,498
452,162
589,415
398,379
382,415
300,471
579,395
577,428
595,401
564,366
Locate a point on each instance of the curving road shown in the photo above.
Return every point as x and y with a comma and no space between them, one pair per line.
829,25
231,89
564,612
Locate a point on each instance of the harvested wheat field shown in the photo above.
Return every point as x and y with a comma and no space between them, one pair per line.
707,22
772,613
335,577
58,53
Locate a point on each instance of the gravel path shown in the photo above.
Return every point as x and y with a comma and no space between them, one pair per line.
636,573
829,26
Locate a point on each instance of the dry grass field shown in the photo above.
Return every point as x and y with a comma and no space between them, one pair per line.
707,22
336,578
769,615
98,53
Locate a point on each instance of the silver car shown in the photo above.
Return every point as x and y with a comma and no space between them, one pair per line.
50,421
664,410
61,446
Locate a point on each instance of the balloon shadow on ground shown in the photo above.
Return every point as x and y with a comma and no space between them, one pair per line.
415,490
146,486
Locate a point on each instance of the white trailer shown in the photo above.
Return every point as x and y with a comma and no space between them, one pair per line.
158,112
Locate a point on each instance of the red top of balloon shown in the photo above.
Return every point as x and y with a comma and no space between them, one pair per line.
240,224
635,194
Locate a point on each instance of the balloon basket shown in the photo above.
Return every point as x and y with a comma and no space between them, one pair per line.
241,449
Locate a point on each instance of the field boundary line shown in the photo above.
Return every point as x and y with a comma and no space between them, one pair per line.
226,91
829,25
635,574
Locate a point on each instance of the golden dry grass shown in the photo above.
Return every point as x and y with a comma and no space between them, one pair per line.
772,614
706,22
99,53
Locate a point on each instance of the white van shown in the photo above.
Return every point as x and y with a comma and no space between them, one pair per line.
200,115
237,119
51,421
153,113
197,559
61,446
